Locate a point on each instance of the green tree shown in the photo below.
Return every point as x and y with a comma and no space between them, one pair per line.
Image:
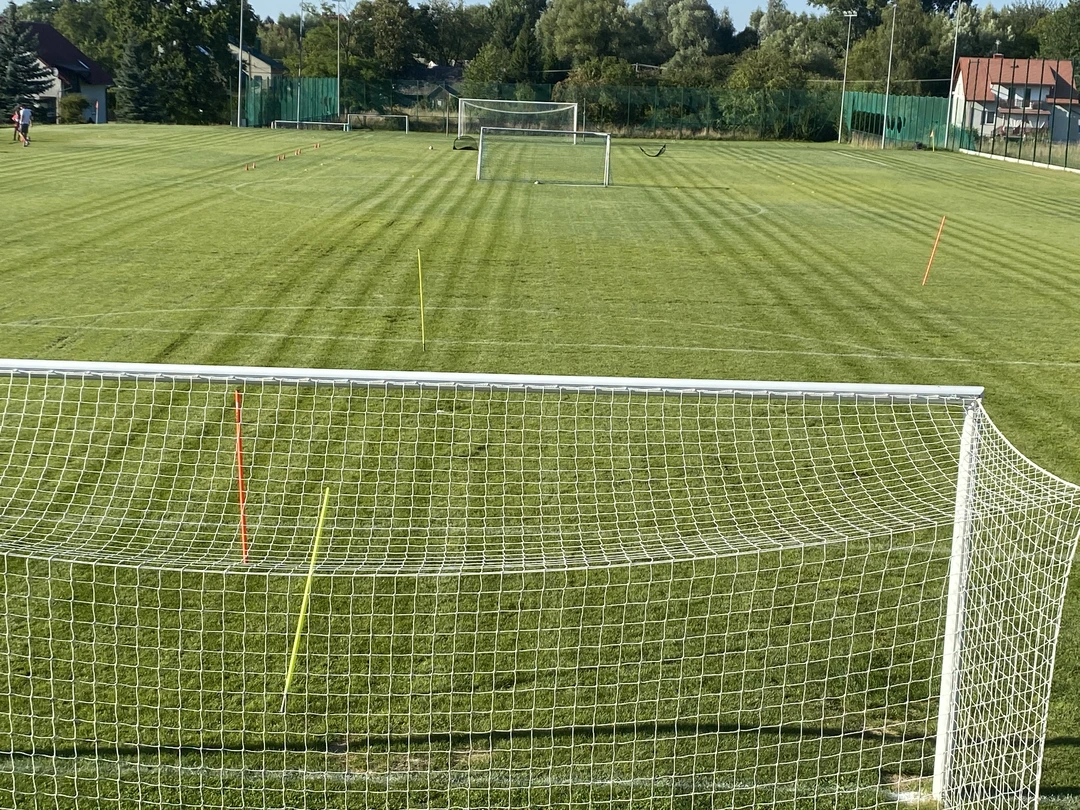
652,27
509,17
39,10
22,77
693,25
449,31
1059,33
488,68
524,64
72,108
136,93
766,69
394,34
576,31
85,24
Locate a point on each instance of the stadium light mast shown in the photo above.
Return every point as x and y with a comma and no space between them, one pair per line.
338,5
952,71
240,66
851,15
888,79
299,65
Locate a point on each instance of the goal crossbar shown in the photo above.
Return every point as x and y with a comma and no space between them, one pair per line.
108,370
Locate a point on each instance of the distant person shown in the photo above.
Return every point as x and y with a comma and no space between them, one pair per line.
15,123
24,125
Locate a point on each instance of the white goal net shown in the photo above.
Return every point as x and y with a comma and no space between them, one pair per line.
530,592
474,113
544,156
323,126
379,121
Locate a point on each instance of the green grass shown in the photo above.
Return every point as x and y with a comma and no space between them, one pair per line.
738,261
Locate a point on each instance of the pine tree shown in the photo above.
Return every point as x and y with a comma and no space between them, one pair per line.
22,77
136,92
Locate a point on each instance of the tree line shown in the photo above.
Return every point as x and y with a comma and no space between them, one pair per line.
171,59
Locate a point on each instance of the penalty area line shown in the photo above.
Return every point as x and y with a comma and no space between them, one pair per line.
633,347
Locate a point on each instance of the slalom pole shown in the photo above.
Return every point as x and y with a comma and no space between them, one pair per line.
241,491
306,601
933,252
420,274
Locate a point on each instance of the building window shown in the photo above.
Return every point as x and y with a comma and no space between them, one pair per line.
1027,96
988,117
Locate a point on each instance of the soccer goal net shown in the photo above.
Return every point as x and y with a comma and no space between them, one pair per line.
390,123
544,156
315,125
474,113
527,592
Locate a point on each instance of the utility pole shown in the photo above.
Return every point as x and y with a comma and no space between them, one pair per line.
888,80
851,15
240,67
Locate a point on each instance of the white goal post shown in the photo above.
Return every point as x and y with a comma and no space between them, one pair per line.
561,157
529,591
316,125
387,121
474,113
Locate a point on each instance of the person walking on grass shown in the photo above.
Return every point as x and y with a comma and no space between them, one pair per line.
24,125
15,124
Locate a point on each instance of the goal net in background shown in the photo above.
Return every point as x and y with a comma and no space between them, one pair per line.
474,113
532,591
544,156
314,125
377,121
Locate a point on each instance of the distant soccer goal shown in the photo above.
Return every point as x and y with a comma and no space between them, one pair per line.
314,125
475,113
379,121
544,156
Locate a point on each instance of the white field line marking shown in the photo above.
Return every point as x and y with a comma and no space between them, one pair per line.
49,321
859,157
635,347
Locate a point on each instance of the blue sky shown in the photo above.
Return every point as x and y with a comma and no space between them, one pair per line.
740,9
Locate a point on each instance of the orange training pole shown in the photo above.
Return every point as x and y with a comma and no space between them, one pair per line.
240,480
933,252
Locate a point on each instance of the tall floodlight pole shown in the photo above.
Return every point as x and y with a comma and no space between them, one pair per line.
952,71
339,59
843,87
240,67
299,65
888,80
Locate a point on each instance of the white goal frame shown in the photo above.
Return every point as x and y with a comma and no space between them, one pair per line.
575,137
538,108
380,116
993,490
329,125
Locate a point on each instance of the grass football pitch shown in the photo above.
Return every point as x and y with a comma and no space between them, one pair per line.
766,261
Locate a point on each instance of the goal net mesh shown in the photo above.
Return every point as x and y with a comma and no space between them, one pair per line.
530,593
474,113
544,156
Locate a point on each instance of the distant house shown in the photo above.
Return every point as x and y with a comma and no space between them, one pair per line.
1001,97
257,66
73,72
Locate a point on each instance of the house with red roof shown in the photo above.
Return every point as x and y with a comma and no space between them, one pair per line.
1013,98
73,72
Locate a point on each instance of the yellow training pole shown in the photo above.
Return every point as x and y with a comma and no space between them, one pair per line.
933,252
420,273
307,599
